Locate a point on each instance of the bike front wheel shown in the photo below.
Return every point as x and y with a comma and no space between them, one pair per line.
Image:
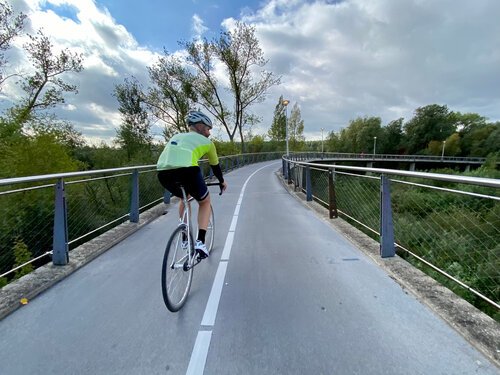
177,270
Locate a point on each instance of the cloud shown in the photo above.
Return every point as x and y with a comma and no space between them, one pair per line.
338,59
382,58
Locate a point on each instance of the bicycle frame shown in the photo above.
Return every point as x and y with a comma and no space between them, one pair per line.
186,219
192,259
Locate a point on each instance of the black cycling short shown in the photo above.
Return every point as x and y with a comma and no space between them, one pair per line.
189,177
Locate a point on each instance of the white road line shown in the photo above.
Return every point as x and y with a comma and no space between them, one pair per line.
199,355
200,350
227,247
213,300
232,228
237,210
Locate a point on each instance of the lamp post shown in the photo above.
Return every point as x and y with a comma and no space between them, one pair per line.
374,145
285,103
442,152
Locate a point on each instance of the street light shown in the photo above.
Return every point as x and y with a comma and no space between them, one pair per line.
442,152
374,145
285,103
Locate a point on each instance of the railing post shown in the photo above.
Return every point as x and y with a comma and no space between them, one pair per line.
134,198
289,177
308,184
386,226
332,199
60,255
296,177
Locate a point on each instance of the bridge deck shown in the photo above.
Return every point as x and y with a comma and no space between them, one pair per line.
296,298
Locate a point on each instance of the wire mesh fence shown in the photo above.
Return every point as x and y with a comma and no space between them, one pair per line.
452,230
449,230
358,198
93,204
25,227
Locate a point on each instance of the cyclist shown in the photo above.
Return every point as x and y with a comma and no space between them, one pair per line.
178,164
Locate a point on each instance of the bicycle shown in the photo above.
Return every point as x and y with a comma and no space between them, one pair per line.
180,257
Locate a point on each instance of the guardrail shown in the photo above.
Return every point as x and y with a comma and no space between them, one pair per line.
387,157
44,217
446,224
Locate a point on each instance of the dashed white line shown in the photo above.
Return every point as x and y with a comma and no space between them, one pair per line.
213,300
202,344
199,355
227,247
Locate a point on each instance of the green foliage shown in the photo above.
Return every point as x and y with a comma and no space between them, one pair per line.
277,130
359,136
22,255
226,148
133,134
171,94
432,122
3,282
40,154
256,144
391,138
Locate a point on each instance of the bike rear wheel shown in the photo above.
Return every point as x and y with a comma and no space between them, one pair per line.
209,236
177,270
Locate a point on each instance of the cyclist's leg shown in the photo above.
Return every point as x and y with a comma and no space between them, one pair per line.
204,213
170,180
198,189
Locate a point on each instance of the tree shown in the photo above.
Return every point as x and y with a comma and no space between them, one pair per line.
296,129
392,137
277,132
240,53
256,143
45,88
133,135
452,145
432,122
35,155
172,93
332,143
358,137
10,26
492,143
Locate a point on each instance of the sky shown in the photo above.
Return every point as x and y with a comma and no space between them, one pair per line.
338,60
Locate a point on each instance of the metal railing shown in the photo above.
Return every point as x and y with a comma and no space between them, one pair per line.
448,225
386,157
44,217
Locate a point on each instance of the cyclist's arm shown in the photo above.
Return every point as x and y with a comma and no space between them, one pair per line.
217,172
213,160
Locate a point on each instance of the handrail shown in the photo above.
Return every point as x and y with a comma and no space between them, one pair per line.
482,181
54,176
342,155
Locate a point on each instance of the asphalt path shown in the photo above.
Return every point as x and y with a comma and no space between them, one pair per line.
282,293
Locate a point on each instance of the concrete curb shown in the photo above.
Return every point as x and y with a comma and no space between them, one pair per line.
479,329
31,285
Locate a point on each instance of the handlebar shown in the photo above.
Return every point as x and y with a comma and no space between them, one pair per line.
215,184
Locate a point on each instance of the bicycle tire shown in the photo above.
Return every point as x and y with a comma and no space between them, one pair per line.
209,236
176,281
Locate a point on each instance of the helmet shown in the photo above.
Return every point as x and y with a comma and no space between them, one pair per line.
196,117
